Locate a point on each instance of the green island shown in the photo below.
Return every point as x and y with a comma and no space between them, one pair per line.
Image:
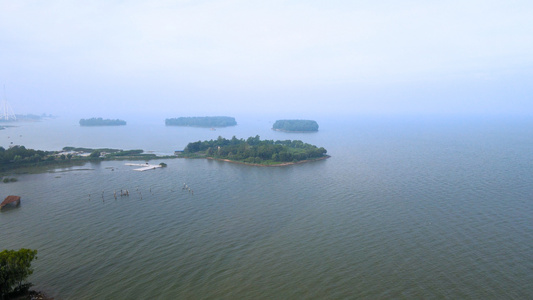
101,122
255,151
18,156
201,121
295,125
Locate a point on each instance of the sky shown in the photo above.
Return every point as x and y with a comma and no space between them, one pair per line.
296,58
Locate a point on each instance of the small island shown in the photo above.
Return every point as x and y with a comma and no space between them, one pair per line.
295,125
255,151
201,121
101,122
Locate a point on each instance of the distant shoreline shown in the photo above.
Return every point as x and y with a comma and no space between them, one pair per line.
101,122
203,126
216,121
274,165
299,131
67,157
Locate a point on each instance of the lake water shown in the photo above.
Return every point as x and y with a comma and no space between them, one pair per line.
405,208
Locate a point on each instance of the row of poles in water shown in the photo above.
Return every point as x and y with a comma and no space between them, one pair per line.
126,193
185,187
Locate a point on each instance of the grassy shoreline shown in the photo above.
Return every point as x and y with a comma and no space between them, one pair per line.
295,131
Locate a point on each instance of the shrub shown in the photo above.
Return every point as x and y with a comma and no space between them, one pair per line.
15,267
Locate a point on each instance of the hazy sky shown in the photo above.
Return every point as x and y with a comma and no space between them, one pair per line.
179,58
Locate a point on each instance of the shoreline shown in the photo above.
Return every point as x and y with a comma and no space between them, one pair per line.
39,295
12,169
276,165
291,131
201,126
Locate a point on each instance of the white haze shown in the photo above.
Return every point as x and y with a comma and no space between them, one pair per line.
296,58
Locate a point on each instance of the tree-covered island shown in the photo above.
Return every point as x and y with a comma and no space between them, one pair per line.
201,121
295,125
255,151
101,122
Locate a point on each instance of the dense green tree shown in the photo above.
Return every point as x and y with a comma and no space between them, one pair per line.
19,154
252,141
15,267
95,154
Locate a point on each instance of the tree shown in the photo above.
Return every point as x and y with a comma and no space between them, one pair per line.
35,158
210,151
95,154
252,141
15,267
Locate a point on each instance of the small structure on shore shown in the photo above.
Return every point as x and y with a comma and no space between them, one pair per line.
10,199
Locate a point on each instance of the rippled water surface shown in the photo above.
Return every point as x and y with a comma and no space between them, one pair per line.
404,208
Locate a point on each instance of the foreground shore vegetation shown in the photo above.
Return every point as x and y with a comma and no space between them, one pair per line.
255,151
19,156
15,267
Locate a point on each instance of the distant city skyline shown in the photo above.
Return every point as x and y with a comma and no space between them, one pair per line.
301,58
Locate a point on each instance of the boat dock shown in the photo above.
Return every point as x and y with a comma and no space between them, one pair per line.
143,167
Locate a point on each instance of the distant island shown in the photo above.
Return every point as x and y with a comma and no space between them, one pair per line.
101,122
255,151
295,125
201,121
